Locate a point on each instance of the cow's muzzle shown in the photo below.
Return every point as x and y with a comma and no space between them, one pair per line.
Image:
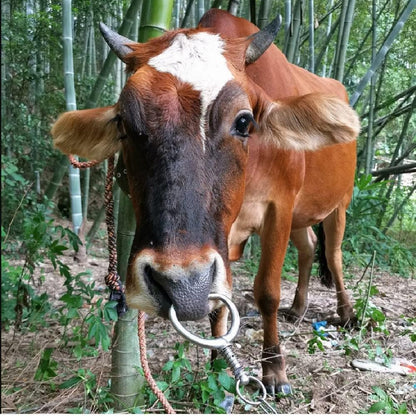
185,285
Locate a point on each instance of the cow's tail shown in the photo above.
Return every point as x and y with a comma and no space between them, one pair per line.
323,270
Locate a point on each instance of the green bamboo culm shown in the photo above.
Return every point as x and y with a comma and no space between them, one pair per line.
288,19
370,131
156,18
311,36
126,381
264,13
293,40
74,177
344,35
124,29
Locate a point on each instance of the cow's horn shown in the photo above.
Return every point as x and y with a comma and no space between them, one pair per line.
261,40
116,42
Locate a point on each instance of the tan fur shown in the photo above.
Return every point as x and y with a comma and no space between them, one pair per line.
87,133
310,122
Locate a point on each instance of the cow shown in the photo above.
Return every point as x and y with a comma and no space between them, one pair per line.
222,137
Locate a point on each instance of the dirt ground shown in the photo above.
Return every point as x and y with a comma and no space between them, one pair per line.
323,382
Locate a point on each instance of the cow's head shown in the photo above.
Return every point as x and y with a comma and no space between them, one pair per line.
183,122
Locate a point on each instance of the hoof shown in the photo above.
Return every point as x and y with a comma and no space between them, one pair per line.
284,389
289,314
350,323
281,389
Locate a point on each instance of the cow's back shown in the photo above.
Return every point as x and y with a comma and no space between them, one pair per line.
272,71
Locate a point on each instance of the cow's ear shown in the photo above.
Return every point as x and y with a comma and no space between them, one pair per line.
309,122
91,134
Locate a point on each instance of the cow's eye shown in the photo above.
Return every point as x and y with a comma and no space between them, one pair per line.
242,124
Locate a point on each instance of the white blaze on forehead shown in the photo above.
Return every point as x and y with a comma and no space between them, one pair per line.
198,60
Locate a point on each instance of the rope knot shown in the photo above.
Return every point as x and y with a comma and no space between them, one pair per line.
115,285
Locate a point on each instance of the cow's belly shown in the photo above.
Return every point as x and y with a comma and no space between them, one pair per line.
328,182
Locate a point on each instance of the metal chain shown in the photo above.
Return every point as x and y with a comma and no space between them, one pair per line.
223,346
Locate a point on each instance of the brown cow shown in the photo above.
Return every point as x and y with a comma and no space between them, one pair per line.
222,139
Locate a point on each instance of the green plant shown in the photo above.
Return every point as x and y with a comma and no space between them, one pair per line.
100,397
364,232
23,304
47,367
204,389
411,330
369,314
384,403
88,330
316,342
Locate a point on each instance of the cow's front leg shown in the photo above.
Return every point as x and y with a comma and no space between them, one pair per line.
274,240
218,322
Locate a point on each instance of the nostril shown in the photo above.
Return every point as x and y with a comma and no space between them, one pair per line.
154,281
148,271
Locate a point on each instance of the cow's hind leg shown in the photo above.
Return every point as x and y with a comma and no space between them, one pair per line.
334,226
305,241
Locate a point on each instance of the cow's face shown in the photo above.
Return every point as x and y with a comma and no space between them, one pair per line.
186,120
183,120
185,158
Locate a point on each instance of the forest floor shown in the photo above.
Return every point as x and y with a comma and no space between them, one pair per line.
323,381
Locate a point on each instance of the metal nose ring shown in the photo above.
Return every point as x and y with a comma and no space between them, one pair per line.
215,343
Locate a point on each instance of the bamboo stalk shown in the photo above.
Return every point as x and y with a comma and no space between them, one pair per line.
399,209
124,29
359,50
408,92
294,38
187,13
370,131
288,19
233,6
264,13
74,177
156,19
311,36
328,34
342,51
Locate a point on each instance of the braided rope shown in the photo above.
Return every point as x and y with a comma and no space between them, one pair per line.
82,165
112,279
145,365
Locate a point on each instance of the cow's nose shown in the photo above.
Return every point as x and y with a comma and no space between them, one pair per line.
186,289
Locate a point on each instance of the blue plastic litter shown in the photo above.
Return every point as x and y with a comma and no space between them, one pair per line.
320,326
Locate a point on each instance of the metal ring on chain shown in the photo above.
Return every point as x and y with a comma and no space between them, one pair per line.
261,400
215,343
